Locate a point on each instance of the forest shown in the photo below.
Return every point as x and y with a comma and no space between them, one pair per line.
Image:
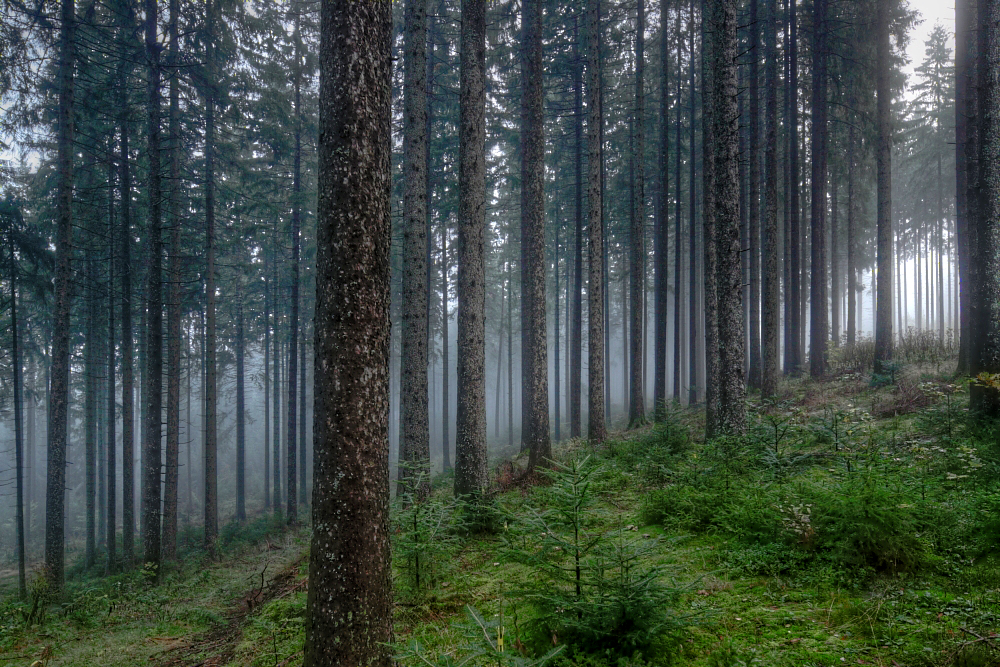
461,333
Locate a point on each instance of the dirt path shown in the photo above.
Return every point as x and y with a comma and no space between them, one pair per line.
216,647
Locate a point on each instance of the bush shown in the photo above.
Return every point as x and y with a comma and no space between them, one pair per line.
862,523
682,507
765,559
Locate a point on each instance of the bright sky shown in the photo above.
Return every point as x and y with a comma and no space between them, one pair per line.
931,12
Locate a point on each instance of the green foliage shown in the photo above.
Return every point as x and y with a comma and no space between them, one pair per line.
595,589
236,535
423,536
483,642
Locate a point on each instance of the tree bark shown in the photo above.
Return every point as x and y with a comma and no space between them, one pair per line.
884,263
445,362
678,230
596,429
211,499
753,201
576,300
534,358
769,242
819,314
793,346
241,436
111,468
90,400
852,262
708,150
291,486
662,240
732,415
471,475
153,380
693,234
55,491
349,605
170,486
414,450
964,110
15,358
637,235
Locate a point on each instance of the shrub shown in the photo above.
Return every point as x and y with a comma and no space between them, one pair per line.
765,559
682,507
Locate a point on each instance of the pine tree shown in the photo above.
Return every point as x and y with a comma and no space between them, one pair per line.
596,429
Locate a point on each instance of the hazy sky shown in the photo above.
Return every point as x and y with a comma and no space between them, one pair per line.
931,12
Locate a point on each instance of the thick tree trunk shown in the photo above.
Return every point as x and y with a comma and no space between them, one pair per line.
576,299
679,387
445,362
90,399
18,380
637,235
819,314
170,486
534,358
349,606
55,491
596,321
693,235
731,413
769,241
708,150
988,400
128,373
153,380
276,385
884,263
964,111
852,262
267,389
471,475
836,279
753,200
414,450
112,465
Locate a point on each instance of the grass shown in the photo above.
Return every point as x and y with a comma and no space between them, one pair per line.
835,534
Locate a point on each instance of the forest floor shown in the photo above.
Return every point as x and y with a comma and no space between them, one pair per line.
857,524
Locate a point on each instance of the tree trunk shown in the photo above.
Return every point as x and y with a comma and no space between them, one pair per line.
128,375
170,486
471,475
964,112
445,363
708,150
292,504
153,381
349,606
693,235
883,308
596,323
414,450
988,400
852,262
793,346
90,399
753,201
55,495
576,300
732,416
15,359
276,386
211,499
662,241
555,337
679,387
836,280
769,241
267,388
241,437
819,314
637,235
534,358
111,468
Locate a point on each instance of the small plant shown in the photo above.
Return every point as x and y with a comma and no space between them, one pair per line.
423,535
483,643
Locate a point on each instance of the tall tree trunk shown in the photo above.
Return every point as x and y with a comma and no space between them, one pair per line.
15,359
596,316
414,459
211,500
988,400
153,380
753,201
555,340
637,235
662,241
510,361
445,363
471,475
170,486
111,468
793,348
678,228
292,505
883,308
709,147
349,606
55,495
241,438
769,242
693,235
852,262
819,314
576,300
965,55
534,357
836,280
90,399
276,386
302,414
731,413
939,241
128,373
267,388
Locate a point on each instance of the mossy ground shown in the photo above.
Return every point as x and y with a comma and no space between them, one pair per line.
788,600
